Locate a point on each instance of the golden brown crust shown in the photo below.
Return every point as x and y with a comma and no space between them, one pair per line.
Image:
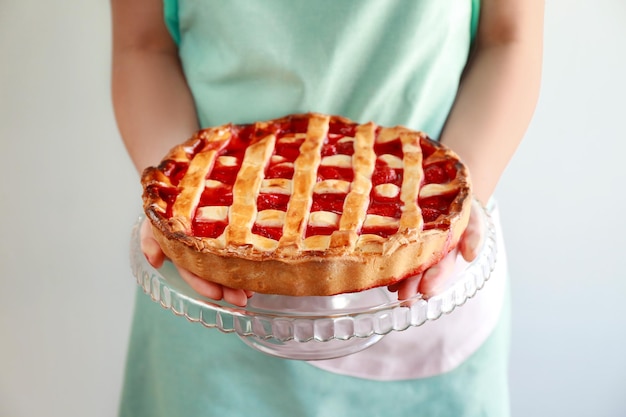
345,261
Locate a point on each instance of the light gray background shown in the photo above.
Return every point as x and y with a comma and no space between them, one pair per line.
68,198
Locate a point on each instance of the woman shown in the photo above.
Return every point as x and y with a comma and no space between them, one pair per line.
466,73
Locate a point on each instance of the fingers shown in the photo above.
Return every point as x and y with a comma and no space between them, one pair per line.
435,279
215,291
149,246
201,286
234,296
470,243
472,238
407,288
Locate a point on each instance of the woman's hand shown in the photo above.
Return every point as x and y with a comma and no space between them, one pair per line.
436,279
155,256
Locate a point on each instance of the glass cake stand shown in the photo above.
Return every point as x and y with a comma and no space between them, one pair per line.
313,328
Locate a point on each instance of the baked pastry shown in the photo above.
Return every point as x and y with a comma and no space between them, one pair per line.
307,204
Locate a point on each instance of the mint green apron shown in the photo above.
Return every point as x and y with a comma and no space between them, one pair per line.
394,62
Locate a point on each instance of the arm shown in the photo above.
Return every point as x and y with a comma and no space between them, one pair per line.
153,107
492,110
499,90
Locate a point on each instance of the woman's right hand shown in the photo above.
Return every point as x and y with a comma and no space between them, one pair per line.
155,256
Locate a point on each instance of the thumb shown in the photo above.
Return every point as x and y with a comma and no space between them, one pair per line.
149,246
472,237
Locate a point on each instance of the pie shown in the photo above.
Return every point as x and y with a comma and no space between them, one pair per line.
308,204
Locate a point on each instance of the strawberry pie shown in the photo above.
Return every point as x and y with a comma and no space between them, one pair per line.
307,204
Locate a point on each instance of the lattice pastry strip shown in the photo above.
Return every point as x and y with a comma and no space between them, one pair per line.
243,212
303,183
411,219
357,200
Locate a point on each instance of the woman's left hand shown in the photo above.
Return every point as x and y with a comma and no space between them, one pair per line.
435,279
155,256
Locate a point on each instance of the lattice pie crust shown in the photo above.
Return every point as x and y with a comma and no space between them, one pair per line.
307,204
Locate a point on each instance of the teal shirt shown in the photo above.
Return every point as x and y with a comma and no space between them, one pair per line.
392,62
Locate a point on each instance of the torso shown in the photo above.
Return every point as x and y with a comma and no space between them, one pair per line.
396,63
